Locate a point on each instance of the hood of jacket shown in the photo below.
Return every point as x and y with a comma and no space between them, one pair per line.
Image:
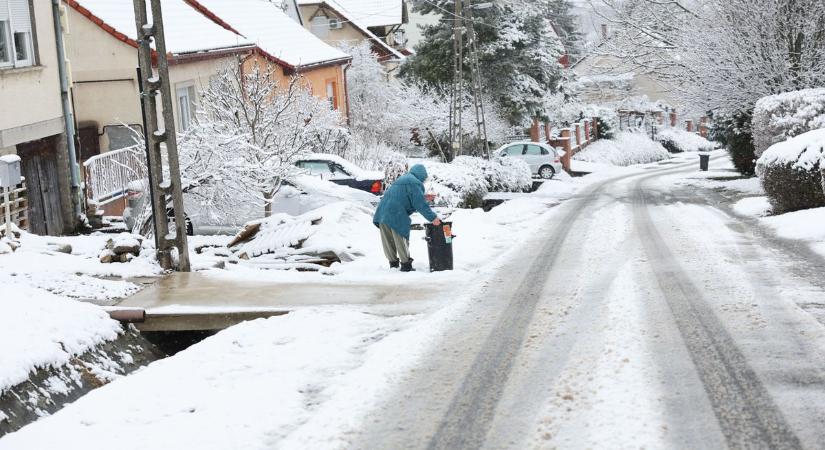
419,171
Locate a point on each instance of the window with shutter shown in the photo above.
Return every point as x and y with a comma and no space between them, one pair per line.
16,43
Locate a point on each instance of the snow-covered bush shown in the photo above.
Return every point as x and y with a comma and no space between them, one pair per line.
790,172
500,174
624,149
455,185
779,117
678,141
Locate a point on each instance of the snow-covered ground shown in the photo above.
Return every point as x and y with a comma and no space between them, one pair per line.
625,149
305,367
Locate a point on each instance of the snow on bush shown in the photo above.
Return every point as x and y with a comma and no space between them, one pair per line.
501,174
623,150
455,185
779,117
790,172
678,141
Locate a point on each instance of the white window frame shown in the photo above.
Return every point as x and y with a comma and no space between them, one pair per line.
185,115
12,30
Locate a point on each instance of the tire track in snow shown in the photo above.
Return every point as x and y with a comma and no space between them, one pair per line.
744,409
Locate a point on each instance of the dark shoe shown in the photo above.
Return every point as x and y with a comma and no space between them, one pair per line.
394,264
407,266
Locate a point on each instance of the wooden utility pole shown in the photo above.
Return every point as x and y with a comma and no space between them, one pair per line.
161,144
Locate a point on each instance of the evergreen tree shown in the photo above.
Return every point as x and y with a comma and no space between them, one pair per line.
519,54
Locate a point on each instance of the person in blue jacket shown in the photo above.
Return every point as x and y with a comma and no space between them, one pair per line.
404,197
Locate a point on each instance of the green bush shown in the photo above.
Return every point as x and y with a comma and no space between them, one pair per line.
792,188
735,133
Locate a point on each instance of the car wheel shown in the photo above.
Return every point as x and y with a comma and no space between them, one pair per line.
547,172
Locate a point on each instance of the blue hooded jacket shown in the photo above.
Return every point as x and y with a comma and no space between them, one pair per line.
402,199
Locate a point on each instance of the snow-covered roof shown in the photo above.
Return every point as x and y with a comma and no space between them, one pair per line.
336,6
369,13
273,31
187,30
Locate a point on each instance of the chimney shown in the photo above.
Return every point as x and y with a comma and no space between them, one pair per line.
604,31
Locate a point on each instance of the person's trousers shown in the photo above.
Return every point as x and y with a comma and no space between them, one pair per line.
396,247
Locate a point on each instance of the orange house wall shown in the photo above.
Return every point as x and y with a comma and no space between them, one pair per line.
313,79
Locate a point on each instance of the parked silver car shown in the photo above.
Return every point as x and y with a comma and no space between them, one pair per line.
544,160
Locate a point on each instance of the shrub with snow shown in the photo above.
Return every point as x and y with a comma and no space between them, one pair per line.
790,172
455,185
678,141
501,174
779,117
623,150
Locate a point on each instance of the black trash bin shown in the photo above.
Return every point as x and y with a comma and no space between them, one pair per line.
440,246
704,161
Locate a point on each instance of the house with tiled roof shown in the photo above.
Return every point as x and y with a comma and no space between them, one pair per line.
354,21
202,38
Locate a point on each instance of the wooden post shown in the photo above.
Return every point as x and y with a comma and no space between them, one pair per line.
578,134
567,146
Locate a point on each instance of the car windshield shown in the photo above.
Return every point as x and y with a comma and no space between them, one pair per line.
316,167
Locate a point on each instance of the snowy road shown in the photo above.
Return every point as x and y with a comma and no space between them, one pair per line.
643,316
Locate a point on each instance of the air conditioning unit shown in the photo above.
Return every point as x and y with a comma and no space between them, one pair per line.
335,24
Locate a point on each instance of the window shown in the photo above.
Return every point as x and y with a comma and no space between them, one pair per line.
332,94
16,43
515,150
315,167
533,150
186,106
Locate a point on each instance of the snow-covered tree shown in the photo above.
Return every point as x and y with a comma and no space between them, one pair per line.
248,132
721,55
518,52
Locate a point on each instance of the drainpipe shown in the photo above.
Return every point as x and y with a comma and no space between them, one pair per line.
346,92
68,115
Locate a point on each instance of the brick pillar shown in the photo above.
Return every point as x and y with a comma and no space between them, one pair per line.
689,126
534,130
660,117
587,137
703,127
567,146
595,128
547,129
673,119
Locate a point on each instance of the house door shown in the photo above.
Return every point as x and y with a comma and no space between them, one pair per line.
39,164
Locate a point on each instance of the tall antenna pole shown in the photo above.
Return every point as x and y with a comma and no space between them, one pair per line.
475,69
457,95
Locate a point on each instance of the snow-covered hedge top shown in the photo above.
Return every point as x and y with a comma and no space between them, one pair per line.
623,150
684,140
453,184
778,117
803,152
501,174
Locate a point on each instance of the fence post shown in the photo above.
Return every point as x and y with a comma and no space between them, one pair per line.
587,137
567,147
578,134
689,125
673,119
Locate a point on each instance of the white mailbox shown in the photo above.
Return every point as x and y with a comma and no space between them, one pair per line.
9,171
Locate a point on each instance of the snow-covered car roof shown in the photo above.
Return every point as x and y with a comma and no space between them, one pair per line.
354,170
274,32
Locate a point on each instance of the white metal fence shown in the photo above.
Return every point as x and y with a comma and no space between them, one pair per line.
109,174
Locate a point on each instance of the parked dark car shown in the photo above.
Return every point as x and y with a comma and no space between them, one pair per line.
343,172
